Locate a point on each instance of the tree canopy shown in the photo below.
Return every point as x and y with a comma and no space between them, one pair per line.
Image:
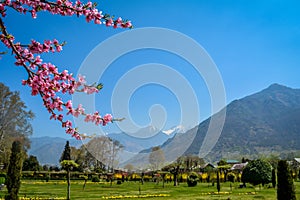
31,164
285,185
13,181
156,158
257,172
14,121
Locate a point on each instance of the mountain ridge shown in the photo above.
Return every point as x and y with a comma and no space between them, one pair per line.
264,122
261,123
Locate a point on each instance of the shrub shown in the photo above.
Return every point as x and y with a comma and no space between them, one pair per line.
192,179
95,179
2,180
285,185
231,177
119,182
257,172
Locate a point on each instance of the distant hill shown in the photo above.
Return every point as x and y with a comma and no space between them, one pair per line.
139,140
262,123
49,149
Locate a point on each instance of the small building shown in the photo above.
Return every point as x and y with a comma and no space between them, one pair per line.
238,167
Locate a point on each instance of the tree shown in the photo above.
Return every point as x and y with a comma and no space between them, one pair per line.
174,169
285,185
68,165
31,164
218,182
257,172
222,162
115,148
44,79
273,178
14,122
66,155
156,158
98,154
129,167
13,180
192,179
78,156
224,167
192,161
102,153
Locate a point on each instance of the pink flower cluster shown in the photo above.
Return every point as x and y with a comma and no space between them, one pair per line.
64,8
44,79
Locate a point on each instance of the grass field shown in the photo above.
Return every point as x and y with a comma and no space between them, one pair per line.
130,190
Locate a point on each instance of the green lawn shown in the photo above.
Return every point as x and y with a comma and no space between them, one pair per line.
57,189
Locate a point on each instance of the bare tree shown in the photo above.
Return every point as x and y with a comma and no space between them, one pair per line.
115,148
156,158
102,152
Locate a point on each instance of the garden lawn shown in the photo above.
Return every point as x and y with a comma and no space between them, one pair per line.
150,190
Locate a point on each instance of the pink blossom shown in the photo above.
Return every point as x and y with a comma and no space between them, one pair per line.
69,104
44,78
60,117
78,111
107,118
88,118
109,22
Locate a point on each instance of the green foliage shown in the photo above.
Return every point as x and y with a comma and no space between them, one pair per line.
13,180
2,180
66,155
31,164
14,122
68,164
257,172
192,179
231,177
222,162
285,185
95,179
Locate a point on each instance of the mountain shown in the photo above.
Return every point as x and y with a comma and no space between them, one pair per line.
144,138
262,123
49,149
174,130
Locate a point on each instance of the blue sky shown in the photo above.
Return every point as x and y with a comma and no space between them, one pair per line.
252,43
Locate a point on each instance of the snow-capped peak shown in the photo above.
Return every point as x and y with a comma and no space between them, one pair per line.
175,129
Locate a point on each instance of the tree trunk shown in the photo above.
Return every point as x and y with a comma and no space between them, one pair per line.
175,179
69,184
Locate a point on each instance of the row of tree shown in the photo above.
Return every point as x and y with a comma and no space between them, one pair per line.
99,154
14,122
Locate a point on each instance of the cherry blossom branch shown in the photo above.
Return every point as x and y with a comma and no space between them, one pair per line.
64,8
44,78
